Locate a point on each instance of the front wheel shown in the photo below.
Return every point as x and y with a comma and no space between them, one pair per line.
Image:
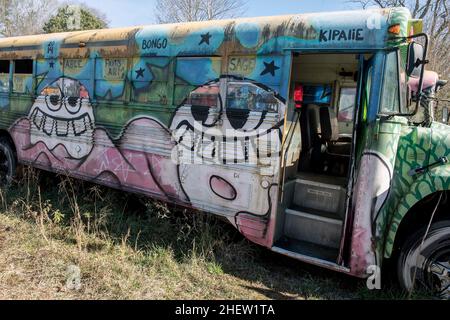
427,266
7,163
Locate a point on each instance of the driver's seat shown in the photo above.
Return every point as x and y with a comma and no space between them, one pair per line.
336,146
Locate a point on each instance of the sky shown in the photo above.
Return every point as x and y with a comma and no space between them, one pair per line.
124,13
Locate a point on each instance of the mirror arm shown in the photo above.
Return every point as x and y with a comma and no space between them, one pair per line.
424,61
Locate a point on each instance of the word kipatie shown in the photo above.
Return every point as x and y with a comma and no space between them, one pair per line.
341,35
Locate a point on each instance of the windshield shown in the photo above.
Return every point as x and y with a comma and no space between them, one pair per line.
390,99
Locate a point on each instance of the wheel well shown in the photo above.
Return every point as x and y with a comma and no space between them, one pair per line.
5,134
419,216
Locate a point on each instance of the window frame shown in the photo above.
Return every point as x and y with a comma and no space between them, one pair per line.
252,84
343,87
167,83
33,78
10,75
216,95
383,84
126,94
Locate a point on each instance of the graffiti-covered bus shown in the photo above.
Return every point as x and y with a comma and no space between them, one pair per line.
299,130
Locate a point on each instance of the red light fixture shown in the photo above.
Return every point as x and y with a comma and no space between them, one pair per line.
298,96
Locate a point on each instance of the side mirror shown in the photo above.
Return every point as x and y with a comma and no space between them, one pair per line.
416,60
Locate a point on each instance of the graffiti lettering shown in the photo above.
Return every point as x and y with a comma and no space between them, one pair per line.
50,47
241,65
74,63
341,35
154,44
115,69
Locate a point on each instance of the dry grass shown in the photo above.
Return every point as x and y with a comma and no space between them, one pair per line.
129,248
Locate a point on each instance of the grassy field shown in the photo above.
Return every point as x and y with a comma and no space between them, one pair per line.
125,247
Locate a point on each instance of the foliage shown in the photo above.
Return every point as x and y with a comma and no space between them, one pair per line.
170,11
436,16
24,17
75,18
129,247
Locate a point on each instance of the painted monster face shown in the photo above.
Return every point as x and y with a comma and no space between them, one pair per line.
63,115
228,145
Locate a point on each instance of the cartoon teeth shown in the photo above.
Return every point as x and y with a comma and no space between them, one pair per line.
71,125
61,127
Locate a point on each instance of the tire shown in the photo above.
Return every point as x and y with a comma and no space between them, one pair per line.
8,163
429,263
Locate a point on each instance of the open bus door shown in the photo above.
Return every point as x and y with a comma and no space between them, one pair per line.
319,157
361,111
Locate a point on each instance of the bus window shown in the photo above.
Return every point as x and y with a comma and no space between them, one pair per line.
23,76
4,76
110,75
248,97
205,96
79,69
390,102
347,99
150,80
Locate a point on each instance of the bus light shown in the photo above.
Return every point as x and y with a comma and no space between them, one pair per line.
298,96
395,29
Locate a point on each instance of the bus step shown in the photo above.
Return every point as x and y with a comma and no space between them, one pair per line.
320,196
307,249
319,227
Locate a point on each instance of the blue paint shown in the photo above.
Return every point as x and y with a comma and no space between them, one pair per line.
109,89
272,81
29,85
47,71
248,34
196,71
4,100
85,73
156,41
51,48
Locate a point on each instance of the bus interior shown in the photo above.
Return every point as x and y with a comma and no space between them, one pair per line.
317,173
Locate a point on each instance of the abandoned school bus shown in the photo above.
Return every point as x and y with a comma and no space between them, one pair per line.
297,129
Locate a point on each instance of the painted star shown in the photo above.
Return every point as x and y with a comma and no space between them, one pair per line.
51,64
140,73
270,68
205,38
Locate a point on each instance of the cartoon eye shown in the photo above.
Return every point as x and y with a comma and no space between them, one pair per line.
73,104
204,102
72,101
55,100
200,113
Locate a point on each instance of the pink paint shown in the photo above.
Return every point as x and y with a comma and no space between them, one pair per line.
259,230
429,80
119,167
222,188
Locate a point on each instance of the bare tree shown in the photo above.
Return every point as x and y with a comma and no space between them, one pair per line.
170,11
436,16
23,17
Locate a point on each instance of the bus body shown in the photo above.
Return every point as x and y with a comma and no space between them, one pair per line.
290,127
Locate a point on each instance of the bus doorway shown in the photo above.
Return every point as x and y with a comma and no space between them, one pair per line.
318,155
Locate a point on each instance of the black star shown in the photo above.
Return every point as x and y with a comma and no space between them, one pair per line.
140,73
270,68
51,64
205,38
